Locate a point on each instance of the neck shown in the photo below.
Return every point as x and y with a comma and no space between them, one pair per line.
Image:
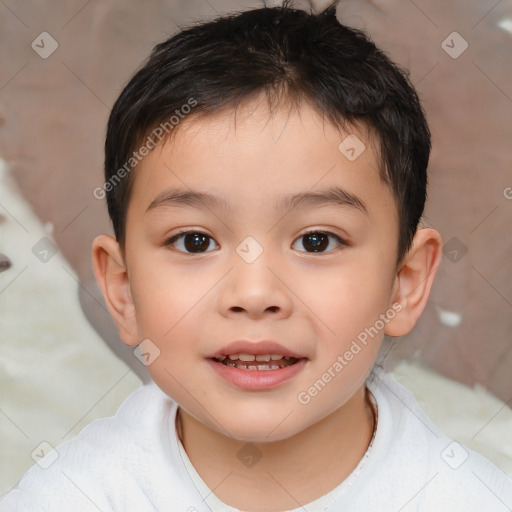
331,448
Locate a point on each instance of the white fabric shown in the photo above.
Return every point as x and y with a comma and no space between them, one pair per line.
132,462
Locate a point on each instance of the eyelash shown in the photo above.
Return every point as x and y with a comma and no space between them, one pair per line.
185,232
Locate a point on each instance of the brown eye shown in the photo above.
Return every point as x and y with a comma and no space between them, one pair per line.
319,241
191,242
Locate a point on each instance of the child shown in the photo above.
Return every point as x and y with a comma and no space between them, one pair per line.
265,177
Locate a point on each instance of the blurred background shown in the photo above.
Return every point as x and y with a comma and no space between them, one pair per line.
63,64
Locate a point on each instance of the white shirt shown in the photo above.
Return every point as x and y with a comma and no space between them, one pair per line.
134,462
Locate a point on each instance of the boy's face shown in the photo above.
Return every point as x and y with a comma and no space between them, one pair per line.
253,275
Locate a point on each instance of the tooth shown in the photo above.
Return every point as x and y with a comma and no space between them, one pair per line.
275,357
252,367
233,356
264,357
221,358
246,357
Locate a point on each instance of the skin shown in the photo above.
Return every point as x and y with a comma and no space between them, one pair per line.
315,303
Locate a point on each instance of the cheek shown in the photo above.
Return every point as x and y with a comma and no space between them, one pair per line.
164,295
347,299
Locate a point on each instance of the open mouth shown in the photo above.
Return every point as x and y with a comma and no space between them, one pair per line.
256,362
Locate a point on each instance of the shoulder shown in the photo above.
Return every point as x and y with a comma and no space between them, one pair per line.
436,472
106,454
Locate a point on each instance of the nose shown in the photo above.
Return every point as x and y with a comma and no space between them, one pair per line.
255,290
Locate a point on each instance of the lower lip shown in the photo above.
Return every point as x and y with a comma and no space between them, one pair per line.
255,380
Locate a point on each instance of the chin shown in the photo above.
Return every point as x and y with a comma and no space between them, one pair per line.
258,436
258,429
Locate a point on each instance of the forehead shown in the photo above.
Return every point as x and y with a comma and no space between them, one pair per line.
233,159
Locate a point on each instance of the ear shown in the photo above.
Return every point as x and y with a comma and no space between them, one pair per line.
414,280
112,277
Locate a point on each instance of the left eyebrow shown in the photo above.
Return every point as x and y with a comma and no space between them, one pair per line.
335,196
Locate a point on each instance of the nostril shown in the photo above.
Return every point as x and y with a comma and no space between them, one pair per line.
273,309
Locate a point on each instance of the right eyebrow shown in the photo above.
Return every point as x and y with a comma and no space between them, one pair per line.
177,198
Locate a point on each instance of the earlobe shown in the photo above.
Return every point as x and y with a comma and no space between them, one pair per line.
112,277
414,280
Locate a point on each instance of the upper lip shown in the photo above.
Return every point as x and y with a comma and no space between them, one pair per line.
255,348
